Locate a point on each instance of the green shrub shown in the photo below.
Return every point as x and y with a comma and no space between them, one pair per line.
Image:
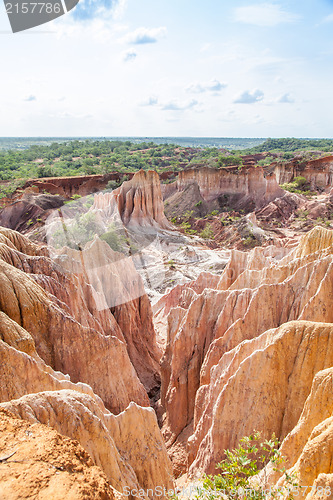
299,185
207,232
116,241
250,241
238,469
188,214
112,185
7,190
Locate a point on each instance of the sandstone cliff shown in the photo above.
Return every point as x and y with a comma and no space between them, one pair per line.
246,185
139,201
308,447
52,334
318,172
257,291
68,307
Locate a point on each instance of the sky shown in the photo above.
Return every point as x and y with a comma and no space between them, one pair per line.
171,68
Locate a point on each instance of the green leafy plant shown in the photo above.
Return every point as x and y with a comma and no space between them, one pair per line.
207,232
299,185
239,477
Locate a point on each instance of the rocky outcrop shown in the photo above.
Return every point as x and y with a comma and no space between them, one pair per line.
257,291
81,185
307,449
139,201
318,172
28,210
70,332
260,385
244,187
127,447
44,464
54,341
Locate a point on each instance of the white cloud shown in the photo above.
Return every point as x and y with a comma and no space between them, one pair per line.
212,86
248,97
264,14
145,35
151,101
119,9
177,106
286,99
97,30
328,19
129,55
205,47
90,9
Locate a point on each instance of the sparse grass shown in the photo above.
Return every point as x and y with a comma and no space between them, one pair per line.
207,233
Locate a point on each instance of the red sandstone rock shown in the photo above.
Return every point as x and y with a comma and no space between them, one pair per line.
258,291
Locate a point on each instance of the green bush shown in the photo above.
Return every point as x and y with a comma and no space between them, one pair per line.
299,185
207,232
238,469
111,185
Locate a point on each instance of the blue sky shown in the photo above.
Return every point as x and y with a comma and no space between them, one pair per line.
172,68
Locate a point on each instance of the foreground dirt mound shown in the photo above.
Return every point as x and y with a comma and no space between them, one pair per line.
45,464
128,447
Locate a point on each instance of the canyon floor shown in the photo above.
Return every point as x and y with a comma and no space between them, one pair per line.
146,330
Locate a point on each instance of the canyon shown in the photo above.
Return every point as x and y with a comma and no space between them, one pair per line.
135,352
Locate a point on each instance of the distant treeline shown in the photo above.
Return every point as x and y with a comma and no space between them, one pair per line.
87,157
292,145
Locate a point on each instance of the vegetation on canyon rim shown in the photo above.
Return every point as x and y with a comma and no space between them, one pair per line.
99,157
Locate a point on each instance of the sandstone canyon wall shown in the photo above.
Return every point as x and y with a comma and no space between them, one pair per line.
64,361
242,354
247,348
318,172
245,185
